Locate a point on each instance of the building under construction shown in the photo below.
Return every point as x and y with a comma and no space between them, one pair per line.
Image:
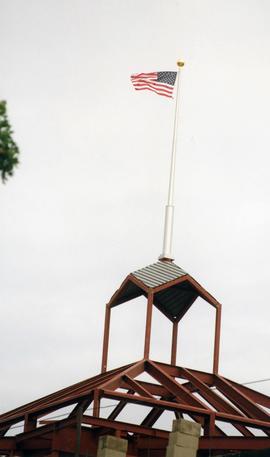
213,415
203,403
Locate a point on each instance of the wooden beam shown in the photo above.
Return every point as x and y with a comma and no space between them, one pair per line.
106,339
174,343
148,326
217,340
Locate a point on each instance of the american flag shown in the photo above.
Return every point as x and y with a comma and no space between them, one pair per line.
160,82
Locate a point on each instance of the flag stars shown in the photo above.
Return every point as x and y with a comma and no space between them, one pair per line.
167,77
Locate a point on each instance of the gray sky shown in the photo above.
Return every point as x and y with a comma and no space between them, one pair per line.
86,205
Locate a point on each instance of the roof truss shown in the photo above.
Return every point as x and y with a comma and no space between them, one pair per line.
206,398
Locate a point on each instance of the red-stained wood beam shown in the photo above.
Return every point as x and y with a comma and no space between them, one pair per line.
129,278
96,407
133,370
188,409
38,444
137,387
64,441
29,423
173,387
180,393
119,408
148,326
78,430
152,417
165,405
154,389
106,336
48,406
209,426
61,394
124,427
7,444
174,343
255,396
175,372
46,429
143,443
186,278
241,400
255,423
140,284
235,443
203,293
81,405
215,400
58,399
155,413
217,340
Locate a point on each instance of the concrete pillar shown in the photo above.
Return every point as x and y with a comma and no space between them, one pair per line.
184,439
111,446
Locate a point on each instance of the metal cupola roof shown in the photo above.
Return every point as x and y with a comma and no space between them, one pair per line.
159,273
173,289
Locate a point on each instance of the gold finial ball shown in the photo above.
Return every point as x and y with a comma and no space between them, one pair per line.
180,63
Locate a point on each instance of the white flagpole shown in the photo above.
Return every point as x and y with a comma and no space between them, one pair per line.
169,210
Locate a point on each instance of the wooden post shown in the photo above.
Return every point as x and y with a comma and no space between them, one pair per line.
96,403
78,431
174,343
217,340
106,339
148,325
209,425
30,423
55,445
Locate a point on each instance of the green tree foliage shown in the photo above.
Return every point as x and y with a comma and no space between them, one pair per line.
8,149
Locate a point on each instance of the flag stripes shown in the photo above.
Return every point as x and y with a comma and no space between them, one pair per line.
162,83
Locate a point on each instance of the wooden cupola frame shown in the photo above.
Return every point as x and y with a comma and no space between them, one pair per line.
173,292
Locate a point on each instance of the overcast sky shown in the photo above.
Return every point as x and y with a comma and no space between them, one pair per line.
86,205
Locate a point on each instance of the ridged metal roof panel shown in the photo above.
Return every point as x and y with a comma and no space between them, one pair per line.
159,273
